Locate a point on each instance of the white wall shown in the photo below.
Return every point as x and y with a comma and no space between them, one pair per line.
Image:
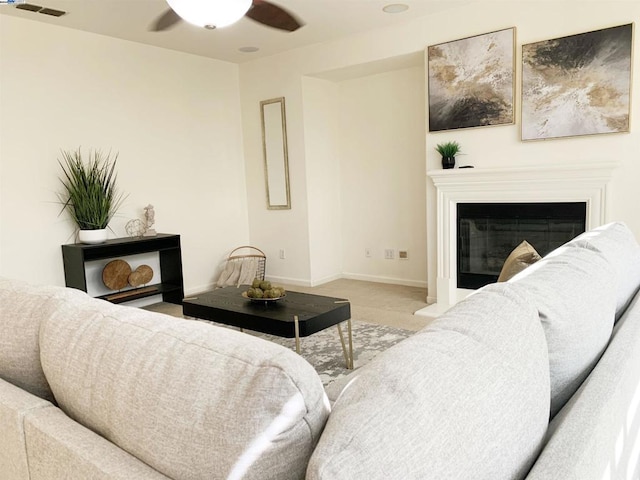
324,120
173,118
363,183
501,146
321,134
382,163
484,147
273,230
180,127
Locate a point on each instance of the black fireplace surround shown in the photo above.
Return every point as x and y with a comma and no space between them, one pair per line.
488,232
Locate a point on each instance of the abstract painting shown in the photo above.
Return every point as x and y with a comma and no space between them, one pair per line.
577,85
471,81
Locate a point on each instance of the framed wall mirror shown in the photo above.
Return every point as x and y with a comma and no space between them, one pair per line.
276,159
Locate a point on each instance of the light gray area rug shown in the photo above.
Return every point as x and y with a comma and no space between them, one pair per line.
324,351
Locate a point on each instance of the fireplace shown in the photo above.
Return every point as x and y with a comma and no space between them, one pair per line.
488,232
578,182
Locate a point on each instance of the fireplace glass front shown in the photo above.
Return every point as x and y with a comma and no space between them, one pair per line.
488,232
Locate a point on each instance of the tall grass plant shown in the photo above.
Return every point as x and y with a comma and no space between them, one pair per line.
89,190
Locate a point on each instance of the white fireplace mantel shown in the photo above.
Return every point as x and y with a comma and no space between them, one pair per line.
566,183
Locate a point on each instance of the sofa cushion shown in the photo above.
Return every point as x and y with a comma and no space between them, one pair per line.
187,398
520,258
620,247
458,399
573,291
24,306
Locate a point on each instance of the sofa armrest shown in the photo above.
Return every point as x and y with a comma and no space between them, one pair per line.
60,448
597,433
15,405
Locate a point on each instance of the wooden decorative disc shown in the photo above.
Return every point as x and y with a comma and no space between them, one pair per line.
135,279
147,273
141,276
115,274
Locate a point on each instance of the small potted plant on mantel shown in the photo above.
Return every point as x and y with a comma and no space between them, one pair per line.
448,150
89,193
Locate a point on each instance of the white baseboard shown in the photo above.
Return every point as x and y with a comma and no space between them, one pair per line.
314,283
199,289
304,283
289,281
389,280
322,281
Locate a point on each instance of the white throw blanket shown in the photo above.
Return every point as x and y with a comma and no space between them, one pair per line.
239,272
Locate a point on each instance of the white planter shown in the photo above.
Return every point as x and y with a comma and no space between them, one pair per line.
92,236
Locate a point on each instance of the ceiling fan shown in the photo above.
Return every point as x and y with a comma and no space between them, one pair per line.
220,13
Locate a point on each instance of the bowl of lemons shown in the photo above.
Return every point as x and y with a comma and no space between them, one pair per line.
263,291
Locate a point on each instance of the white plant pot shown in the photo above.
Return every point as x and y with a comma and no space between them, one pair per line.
92,236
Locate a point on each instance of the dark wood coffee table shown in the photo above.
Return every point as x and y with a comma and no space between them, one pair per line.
293,316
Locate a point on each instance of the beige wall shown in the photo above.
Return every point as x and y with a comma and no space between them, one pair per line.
382,164
321,107
173,118
356,166
273,230
484,147
183,126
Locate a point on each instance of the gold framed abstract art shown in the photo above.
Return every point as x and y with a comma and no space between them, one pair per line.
471,81
577,85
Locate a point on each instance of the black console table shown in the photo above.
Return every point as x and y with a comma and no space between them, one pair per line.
171,287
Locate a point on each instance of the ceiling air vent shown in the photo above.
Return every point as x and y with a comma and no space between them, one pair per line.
37,8
28,6
52,12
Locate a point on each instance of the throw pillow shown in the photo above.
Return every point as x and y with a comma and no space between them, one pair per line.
520,258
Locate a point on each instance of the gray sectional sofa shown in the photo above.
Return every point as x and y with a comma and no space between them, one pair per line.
535,378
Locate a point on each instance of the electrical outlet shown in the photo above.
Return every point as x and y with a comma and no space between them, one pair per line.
389,254
367,252
403,254
282,254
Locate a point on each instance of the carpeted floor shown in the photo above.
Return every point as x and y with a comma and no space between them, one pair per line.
380,303
382,315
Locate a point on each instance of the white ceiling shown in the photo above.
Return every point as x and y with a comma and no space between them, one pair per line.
325,20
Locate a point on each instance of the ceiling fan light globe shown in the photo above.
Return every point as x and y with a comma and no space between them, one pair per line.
217,13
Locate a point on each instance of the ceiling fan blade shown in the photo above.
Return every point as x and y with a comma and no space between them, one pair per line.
273,16
165,21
